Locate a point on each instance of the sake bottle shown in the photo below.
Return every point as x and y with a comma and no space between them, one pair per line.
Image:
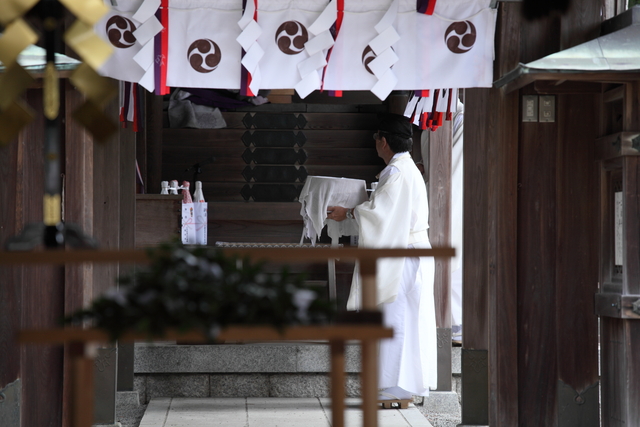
186,195
198,197
200,207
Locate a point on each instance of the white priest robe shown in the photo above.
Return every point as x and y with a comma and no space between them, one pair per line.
397,216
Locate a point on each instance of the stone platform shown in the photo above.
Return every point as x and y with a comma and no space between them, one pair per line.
266,412
262,370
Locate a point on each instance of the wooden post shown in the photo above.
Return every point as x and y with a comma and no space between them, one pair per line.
440,146
440,218
369,381
489,263
369,372
337,383
369,290
127,231
82,386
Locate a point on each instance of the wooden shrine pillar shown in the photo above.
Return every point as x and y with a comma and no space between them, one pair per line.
100,198
149,150
618,302
529,354
440,235
490,396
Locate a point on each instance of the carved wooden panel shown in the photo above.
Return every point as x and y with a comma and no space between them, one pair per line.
274,156
264,173
274,121
274,139
271,192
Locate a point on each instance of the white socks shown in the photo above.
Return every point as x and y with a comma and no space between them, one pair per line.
393,393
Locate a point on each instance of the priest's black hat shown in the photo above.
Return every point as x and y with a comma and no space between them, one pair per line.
395,124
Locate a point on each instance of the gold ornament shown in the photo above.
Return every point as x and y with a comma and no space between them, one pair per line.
89,11
12,120
91,48
13,82
12,9
17,37
51,92
52,208
96,88
97,122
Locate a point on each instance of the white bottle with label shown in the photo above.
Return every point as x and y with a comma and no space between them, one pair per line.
198,197
201,214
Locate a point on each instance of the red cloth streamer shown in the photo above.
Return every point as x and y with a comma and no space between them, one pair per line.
335,30
131,103
415,109
139,178
245,76
423,121
431,7
164,90
437,120
126,101
433,117
136,118
425,6
449,114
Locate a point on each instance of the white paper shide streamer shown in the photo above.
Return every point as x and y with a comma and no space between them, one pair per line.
316,48
381,65
129,27
248,39
145,35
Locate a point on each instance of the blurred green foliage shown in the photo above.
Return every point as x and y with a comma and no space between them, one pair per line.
186,288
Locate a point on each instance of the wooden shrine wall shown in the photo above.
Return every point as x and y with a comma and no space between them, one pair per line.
262,159
531,241
30,297
99,196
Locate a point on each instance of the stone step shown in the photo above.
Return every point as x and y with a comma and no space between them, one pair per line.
248,358
264,370
246,370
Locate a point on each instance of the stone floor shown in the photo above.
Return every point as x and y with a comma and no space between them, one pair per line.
266,412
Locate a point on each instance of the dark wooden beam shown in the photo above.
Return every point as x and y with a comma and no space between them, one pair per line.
566,87
576,76
153,143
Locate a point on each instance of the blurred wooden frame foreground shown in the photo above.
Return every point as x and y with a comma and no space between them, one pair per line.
82,342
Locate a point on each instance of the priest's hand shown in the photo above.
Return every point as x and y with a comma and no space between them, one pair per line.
337,213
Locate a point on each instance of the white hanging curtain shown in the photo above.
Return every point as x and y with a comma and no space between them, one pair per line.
285,32
453,48
203,50
118,28
334,45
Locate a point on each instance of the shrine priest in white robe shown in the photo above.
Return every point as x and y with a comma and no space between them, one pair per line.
397,216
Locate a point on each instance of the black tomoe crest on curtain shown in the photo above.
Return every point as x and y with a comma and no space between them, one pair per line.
368,55
460,36
291,37
120,31
204,55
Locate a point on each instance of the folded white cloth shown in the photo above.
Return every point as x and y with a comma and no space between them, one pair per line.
318,193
